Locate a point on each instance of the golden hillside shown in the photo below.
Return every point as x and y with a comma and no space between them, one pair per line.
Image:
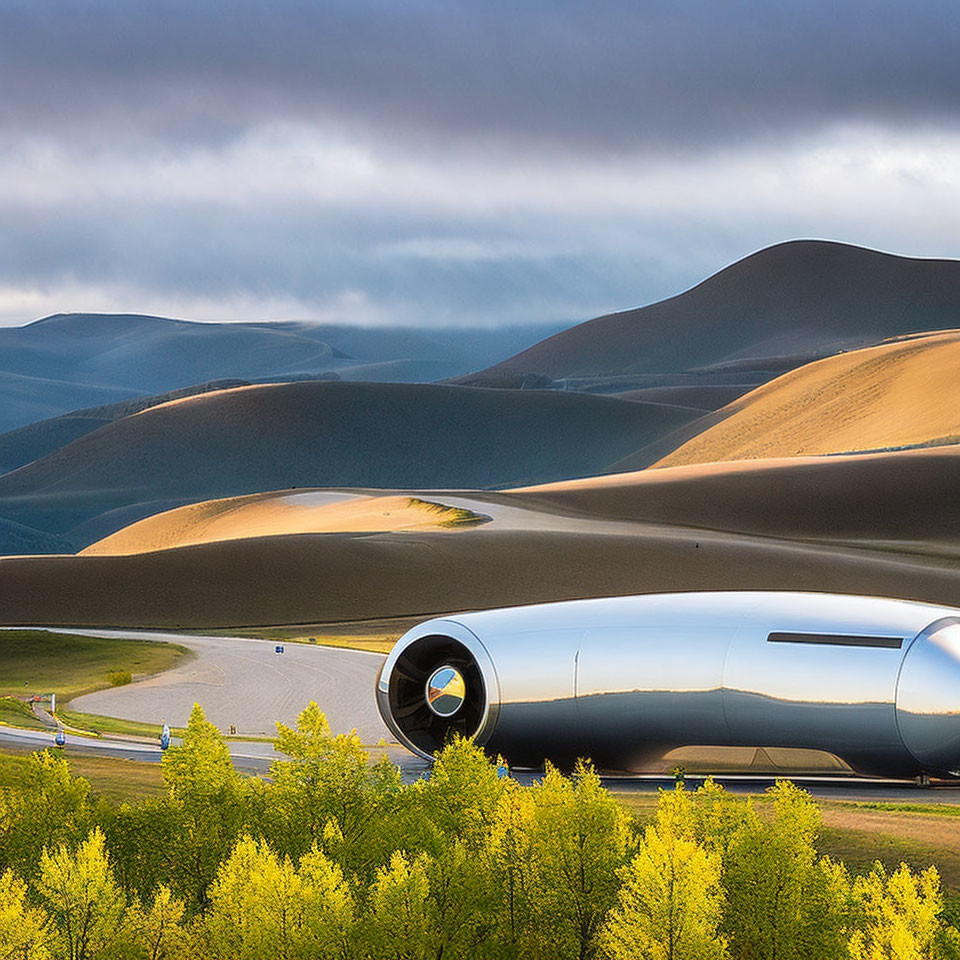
277,514
904,393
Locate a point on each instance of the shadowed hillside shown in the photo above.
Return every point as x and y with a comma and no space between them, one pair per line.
905,499
767,313
801,524
325,434
899,394
25,444
69,361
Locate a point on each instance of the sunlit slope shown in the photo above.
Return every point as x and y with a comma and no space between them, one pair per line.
280,513
900,394
805,297
883,525
906,500
276,436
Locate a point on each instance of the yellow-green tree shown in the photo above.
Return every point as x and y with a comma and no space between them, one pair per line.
329,910
782,903
48,807
206,809
462,901
399,925
718,817
579,838
201,767
263,906
157,933
461,796
897,915
86,906
328,778
23,929
670,904
509,857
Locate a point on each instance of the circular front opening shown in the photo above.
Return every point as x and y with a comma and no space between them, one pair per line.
446,690
435,690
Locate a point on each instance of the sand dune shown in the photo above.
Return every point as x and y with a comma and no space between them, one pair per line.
900,394
792,302
905,499
278,514
314,433
797,524
330,577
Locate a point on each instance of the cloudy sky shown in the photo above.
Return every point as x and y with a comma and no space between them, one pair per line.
473,163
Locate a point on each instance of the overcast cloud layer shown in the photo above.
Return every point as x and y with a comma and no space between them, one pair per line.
457,163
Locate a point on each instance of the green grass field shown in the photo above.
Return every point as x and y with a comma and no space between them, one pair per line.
918,834
34,661
114,779
16,713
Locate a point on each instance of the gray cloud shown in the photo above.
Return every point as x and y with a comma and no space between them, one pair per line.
610,75
456,162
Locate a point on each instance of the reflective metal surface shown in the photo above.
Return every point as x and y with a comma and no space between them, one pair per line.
928,697
624,680
446,691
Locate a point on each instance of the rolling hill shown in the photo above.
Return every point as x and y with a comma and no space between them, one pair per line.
73,360
763,315
313,433
279,513
800,524
896,395
25,444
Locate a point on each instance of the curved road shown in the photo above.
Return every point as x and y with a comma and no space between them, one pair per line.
243,682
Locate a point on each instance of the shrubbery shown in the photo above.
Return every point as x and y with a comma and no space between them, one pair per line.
336,858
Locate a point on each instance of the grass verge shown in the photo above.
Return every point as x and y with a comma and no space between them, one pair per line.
16,713
373,636
112,778
99,725
36,661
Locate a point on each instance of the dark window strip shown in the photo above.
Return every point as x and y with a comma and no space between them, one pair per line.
836,640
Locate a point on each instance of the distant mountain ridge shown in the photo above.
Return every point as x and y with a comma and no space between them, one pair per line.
771,311
65,362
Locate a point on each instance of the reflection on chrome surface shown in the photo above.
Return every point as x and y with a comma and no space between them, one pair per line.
446,691
624,680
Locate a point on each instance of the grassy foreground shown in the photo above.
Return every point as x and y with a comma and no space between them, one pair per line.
36,661
335,857
71,665
116,780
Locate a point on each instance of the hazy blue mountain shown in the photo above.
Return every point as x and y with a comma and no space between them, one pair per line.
36,440
70,361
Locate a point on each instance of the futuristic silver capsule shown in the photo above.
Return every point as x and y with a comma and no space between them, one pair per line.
623,680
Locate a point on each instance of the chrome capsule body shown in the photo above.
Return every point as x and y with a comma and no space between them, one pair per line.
624,680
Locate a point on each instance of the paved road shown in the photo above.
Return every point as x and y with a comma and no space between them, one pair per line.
256,758
250,757
245,683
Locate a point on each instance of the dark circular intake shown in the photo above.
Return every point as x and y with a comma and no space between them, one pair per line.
421,725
